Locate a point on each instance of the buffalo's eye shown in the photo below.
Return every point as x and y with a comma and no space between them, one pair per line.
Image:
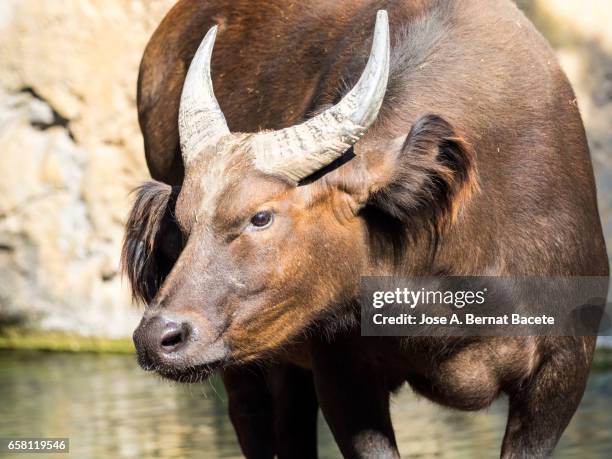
262,219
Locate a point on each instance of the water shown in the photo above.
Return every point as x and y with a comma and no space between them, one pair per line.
111,409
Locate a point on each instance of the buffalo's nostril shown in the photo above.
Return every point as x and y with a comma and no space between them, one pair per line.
174,336
172,339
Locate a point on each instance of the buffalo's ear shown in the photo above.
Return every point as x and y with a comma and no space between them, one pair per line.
426,176
152,240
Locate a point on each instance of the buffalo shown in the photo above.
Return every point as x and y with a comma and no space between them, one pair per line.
298,146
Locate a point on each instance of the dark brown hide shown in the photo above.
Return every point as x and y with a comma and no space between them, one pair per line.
152,239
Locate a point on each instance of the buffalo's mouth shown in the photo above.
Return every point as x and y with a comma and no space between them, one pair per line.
184,373
194,374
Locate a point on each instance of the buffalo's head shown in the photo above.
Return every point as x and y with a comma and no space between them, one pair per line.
254,248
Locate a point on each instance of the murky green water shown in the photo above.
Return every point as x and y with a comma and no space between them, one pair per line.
111,409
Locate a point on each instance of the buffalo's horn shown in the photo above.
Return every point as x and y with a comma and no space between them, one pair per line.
297,151
201,121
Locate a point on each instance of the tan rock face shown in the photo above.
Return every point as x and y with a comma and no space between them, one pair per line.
70,148
63,200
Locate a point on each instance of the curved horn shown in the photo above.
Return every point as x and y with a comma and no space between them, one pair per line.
297,151
201,121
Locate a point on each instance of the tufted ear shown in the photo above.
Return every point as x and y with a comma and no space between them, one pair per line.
152,240
428,175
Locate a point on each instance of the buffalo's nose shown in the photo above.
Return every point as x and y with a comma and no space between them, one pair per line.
158,338
174,336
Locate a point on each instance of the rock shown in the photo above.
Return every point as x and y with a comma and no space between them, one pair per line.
71,153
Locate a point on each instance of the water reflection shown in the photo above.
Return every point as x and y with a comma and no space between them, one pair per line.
111,409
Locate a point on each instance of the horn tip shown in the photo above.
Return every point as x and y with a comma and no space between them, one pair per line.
212,33
382,18
381,28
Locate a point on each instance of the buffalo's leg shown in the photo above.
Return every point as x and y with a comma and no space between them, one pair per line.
354,399
273,410
295,412
540,411
250,410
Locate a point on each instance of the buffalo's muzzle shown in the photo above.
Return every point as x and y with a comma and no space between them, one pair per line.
161,341
177,348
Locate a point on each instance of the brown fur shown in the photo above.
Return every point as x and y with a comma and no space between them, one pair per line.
152,241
